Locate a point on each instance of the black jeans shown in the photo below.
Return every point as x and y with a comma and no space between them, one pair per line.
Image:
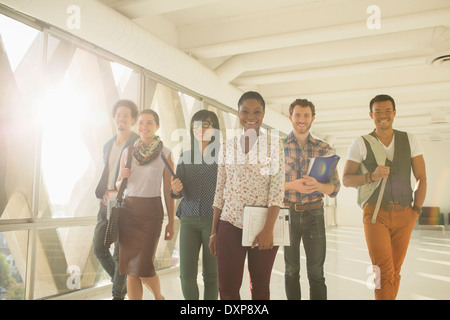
109,262
309,226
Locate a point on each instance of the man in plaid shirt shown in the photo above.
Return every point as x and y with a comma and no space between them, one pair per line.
306,209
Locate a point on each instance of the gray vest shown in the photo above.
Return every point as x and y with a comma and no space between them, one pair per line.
398,186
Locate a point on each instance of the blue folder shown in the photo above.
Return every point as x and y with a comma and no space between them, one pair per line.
322,168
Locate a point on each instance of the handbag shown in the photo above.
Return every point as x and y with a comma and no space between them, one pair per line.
112,228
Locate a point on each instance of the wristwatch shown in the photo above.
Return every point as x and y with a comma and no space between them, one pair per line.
418,210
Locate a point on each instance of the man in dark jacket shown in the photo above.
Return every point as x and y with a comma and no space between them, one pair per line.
124,114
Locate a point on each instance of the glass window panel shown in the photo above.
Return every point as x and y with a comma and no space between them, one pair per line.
190,106
127,82
12,264
166,102
77,121
19,84
65,261
229,122
10,31
75,112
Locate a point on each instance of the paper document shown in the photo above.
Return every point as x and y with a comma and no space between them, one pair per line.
254,220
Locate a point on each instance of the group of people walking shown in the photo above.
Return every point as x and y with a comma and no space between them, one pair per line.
255,168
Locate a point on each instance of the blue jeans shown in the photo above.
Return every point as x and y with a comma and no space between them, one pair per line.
109,262
310,226
194,234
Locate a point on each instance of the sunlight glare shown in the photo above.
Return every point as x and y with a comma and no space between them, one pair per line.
16,49
64,156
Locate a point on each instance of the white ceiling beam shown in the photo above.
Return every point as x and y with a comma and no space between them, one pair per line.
147,8
325,34
352,132
160,27
355,110
360,115
406,120
328,115
375,79
347,136
329,72
364,93
344,143
339,50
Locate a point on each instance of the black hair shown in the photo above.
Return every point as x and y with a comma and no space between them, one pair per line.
252,95
128,104
200,116
381,98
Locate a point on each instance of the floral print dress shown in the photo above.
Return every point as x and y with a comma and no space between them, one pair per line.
256,178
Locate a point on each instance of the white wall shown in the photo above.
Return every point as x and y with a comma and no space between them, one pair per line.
437,160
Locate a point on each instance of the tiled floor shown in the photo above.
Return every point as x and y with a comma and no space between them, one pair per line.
425,272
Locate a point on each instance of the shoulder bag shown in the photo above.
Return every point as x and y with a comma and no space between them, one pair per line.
112,228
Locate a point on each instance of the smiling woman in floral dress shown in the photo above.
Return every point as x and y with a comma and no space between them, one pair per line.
247,175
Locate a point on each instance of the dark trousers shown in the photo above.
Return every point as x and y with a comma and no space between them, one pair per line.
308,226
108,261
231,258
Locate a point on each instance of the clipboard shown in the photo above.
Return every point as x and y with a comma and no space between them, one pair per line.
253,223
166,163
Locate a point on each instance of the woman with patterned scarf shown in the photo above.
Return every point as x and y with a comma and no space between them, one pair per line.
141,221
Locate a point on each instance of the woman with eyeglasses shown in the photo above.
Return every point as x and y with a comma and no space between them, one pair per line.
196,177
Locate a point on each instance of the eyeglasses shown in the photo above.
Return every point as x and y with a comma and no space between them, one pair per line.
204,124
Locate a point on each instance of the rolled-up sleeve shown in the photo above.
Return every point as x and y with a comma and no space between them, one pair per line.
336,183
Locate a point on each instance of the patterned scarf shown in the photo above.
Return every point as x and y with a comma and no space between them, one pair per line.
144,154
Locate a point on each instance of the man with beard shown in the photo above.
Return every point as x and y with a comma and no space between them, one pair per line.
390,157
124,113
303,195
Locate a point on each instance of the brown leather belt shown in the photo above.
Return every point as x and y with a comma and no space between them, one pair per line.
299,207
392,206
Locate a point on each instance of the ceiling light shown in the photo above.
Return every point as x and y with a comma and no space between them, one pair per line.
440,60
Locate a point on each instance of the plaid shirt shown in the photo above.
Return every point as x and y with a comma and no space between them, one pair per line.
296,166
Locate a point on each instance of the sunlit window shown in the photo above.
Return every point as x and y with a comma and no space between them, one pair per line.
121,75
64,155
64,102
16,50
11,283
75,113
